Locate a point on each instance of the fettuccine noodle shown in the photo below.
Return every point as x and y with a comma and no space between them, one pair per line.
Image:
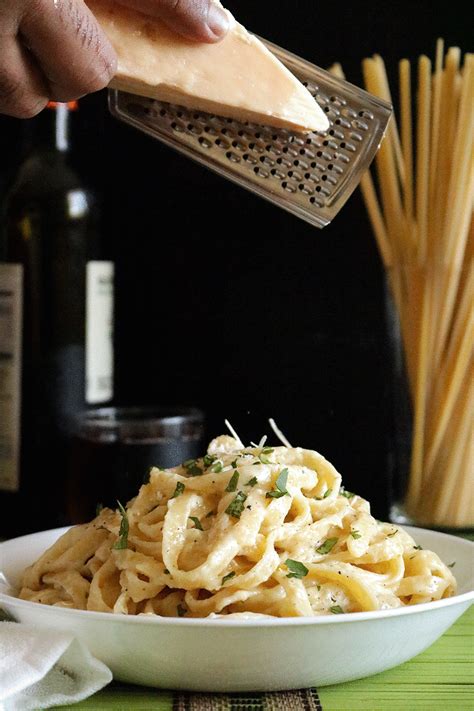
254,530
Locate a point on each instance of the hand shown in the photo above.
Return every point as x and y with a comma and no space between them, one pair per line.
55,49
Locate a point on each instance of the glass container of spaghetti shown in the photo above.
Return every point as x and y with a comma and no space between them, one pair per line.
432,395
420,201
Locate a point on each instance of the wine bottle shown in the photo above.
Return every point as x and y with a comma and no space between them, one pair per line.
56,310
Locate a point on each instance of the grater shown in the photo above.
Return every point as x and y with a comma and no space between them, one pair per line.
310,175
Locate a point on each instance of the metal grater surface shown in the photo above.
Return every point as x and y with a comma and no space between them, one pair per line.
311,175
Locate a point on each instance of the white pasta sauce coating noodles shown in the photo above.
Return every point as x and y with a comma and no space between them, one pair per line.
254,531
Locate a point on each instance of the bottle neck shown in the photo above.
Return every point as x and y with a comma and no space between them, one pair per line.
50,130
61,128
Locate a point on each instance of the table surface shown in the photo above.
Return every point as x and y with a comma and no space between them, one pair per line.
442,677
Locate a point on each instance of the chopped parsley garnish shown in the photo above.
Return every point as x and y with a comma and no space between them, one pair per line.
122,542
197,523
179,489
233,481
451,565
252,481
98,509
355,534
234,464
280,486
181,610
192,468
236,506
209,459
347,494
297,569
227,577
325,495
327,546
256,464
336,610
389,535
210,513
418,548
217,467
264,455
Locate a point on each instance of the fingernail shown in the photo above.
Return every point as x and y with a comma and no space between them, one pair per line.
217,20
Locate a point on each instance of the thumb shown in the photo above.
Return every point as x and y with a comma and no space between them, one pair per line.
200,20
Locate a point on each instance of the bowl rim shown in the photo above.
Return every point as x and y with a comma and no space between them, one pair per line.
253,622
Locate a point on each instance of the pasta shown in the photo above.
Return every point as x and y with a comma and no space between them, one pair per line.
244,530
421,210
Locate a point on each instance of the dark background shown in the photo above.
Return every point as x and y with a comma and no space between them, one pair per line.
226,302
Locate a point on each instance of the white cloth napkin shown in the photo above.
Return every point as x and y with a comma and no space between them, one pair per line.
41,668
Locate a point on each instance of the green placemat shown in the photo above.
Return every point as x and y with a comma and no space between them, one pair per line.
440,678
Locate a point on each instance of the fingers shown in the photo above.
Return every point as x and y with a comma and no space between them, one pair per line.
200,20
23,92
74,54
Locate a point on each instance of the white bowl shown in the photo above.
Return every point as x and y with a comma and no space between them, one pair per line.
265,654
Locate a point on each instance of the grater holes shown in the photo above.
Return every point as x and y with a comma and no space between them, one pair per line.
349,113
205,142
360,125
277,173
307,168
266,160
177,127
233,157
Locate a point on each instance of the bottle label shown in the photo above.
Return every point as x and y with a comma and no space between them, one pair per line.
11,303
99,331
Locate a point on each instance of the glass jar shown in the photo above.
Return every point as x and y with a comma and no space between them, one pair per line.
114,449
431,325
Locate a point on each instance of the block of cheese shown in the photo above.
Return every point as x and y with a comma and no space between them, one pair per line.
237,77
